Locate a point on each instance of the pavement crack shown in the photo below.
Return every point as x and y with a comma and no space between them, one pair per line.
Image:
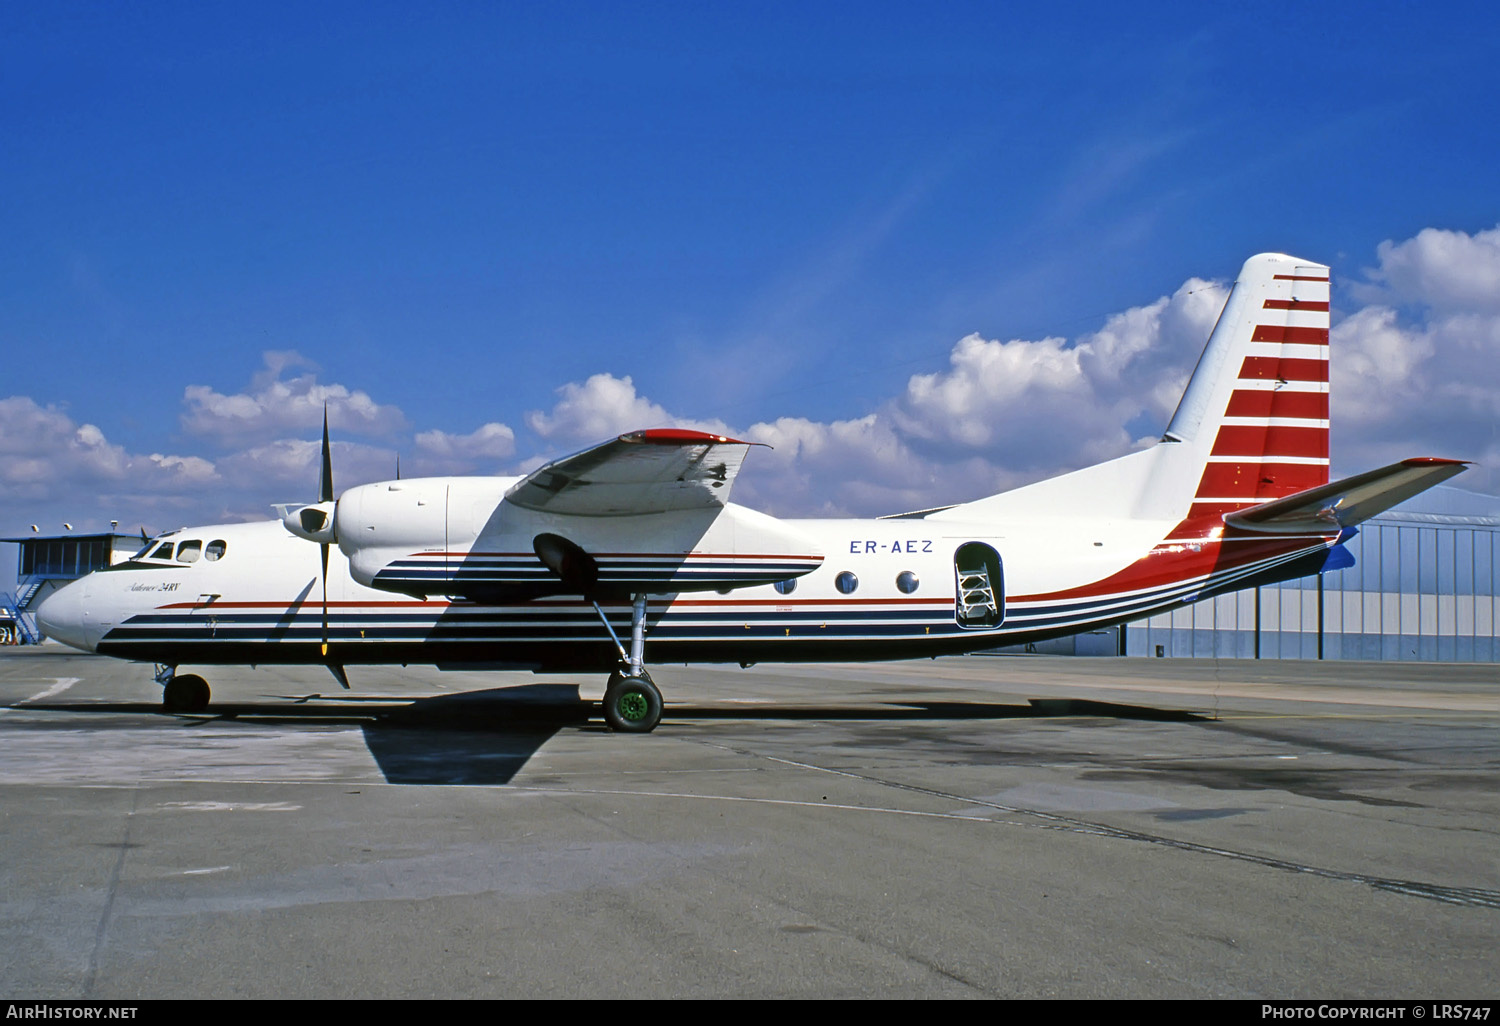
102,930
1474,897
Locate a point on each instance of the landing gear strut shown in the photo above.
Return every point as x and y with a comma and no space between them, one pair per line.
186,693
632,704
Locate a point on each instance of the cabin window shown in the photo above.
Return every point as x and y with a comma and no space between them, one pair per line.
906,582
214,550
786,587
846,582
164,551
189,551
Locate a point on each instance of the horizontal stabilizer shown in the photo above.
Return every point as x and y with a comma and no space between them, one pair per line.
1348,502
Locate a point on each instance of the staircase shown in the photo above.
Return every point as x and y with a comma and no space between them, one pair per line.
976,597
26,630
23,601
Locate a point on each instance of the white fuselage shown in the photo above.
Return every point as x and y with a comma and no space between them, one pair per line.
862,589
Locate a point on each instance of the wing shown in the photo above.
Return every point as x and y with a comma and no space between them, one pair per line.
643,472
1348,502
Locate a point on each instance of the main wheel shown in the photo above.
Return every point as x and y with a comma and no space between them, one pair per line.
632,706
186,692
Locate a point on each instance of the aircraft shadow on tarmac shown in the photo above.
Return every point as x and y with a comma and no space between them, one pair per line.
486,737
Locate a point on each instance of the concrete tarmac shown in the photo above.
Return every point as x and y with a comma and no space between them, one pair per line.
965,827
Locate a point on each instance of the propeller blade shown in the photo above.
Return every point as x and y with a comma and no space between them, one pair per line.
325,479
324,549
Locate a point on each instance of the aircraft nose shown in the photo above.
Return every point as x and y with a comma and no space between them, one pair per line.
62,616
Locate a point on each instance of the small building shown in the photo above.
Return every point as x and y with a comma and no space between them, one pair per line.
46,563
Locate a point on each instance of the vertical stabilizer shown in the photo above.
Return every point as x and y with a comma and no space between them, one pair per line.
1258,399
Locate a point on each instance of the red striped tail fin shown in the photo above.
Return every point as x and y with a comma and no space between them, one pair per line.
1260,391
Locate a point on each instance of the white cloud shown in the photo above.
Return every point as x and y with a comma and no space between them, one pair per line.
439,452
604,406
272,407
1446,271
53,469
45,456
1415,366
1003,413
492,441
1051,403
1416,372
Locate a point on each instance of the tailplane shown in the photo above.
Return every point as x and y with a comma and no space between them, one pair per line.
1348,502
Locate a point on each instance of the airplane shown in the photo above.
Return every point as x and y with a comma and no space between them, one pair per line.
577,565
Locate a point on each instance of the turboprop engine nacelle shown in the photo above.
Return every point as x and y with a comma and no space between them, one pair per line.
458,537
316,522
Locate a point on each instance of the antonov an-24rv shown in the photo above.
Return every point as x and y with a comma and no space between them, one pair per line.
578,565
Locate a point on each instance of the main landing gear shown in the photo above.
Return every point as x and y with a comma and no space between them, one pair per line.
187,692
632,704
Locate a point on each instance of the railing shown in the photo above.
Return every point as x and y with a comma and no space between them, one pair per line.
28,592
26,632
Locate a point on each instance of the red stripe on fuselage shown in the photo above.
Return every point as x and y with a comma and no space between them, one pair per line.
1175,561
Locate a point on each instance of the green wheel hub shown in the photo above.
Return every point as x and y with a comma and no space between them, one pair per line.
633,706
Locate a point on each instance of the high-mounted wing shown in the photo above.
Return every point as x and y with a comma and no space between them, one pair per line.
642,472
1345,503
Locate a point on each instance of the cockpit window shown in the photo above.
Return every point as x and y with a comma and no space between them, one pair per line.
215,550
163,552
189,551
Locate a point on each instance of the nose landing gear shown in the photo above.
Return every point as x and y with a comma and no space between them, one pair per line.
187,692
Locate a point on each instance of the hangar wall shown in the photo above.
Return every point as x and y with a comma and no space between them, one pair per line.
1423,587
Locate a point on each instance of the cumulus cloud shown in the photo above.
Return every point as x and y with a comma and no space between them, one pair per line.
1001,414
287,469
273,406
53,469
1052,402
1444,271
603,406
492,441
1416,371
439,452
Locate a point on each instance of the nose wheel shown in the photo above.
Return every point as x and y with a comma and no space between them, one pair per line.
632,704
185,692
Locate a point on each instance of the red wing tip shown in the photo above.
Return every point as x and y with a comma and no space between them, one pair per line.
1432,461
679,436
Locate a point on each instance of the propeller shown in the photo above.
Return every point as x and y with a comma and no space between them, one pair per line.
325,495
317,523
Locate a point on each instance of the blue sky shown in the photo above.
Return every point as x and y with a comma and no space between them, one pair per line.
487,233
